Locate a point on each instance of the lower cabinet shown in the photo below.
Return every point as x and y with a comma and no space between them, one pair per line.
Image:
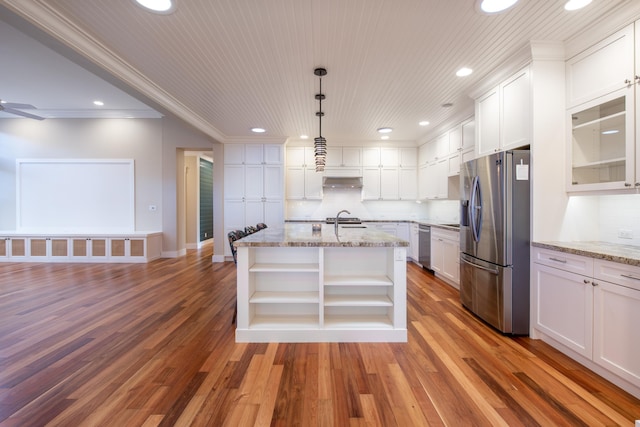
590,307
445,254
143,247
555,291
414,247
333,294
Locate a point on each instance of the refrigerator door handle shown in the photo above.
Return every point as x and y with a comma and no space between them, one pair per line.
490,270
475,209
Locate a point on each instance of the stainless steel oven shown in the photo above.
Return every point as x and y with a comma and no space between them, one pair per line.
424,246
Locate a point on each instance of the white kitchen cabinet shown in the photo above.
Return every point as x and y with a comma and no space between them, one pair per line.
604,139
602,69
302,180
602,143
253,188
414,247
591,308
433,180
445,254
616,305
407,183
343,161
389,183
383,178
503,116
371,183
563,307
387,227
344,157
408,157
253,154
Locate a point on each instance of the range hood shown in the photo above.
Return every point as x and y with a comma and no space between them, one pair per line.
341,182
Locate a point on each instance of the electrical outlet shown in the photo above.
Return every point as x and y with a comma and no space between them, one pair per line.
625,234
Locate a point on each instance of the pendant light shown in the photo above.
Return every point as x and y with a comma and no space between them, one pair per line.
320,144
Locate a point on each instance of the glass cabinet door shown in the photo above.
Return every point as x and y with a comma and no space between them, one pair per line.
602,143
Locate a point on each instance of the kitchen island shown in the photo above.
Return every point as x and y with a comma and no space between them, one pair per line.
295,284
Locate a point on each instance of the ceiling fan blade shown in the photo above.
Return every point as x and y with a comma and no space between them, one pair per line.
19,106
21,113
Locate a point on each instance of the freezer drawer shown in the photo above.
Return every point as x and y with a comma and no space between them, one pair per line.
488,290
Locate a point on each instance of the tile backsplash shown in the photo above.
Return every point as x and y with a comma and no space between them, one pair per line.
335,200
619,215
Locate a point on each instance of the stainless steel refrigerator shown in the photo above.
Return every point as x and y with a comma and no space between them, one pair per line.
494,239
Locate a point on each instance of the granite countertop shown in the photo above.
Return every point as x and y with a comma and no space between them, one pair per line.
435,223
624,254
302,235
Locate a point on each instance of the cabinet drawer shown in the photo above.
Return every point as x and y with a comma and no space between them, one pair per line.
442,233
564,261
620,274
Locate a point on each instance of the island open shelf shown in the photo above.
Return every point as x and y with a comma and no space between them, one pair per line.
298,286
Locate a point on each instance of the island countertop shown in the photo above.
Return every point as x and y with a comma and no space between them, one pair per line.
302,235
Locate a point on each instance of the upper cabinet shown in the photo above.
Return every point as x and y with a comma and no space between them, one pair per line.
503,115
343,157
253,154
343,161
603,141
601,69
389,173
302,180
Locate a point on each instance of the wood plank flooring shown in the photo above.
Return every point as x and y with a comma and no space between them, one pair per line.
153,345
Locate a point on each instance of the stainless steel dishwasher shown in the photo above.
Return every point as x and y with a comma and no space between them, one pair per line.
424,246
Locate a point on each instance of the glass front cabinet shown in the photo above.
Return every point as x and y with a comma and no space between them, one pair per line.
602,148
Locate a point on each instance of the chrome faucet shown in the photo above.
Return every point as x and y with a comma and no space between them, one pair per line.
337,216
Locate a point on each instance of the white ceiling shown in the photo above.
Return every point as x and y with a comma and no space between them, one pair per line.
228,65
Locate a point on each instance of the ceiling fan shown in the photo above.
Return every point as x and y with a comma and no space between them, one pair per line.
14,108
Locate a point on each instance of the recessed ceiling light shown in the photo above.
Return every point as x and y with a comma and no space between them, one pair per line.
576,4
385,130
98,103
495,6
3,101
610,132
258,130
424,123
464,71
158,6
304,136
384,137
447,105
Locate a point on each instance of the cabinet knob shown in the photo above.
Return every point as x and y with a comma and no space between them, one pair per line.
586,282
637,184
637,78
627,82
594,284
626,184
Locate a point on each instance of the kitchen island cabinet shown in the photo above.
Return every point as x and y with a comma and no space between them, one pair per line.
297,285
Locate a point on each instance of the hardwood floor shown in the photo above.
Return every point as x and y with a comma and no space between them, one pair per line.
153,344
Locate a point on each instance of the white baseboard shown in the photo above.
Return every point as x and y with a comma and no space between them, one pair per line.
218,258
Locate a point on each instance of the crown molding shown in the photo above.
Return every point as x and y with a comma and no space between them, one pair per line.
43,16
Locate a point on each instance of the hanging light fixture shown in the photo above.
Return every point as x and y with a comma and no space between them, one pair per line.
319,143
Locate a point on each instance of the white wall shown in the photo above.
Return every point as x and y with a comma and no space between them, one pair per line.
177,138
156,145
85,139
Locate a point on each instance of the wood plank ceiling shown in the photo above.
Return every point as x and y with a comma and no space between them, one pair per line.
235,64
